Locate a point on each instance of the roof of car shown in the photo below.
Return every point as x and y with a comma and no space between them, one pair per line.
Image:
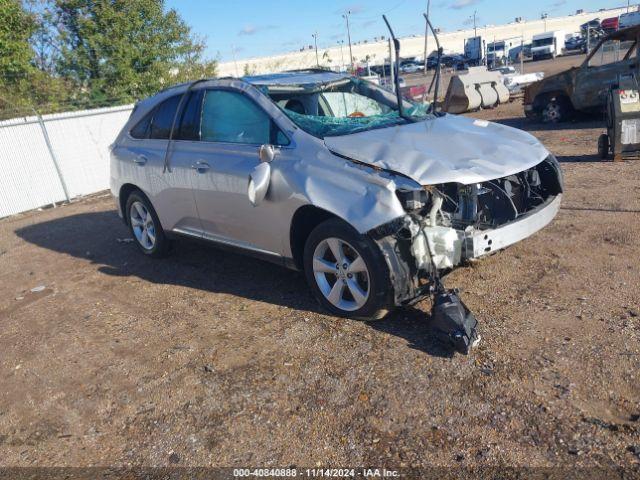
298,77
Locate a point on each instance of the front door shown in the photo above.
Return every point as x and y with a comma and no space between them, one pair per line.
608,63
232,130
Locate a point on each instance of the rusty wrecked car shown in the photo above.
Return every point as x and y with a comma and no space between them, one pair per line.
584,88
328,174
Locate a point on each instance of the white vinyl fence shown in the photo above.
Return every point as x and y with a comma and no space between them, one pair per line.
53,158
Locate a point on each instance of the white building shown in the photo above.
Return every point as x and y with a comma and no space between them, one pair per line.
411,46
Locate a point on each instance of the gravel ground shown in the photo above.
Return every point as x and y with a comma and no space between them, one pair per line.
209,358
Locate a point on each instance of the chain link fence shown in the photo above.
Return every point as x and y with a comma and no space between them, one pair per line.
46,159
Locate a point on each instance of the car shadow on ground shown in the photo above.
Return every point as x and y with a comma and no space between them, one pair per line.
102,239
413,325
579,123
579,158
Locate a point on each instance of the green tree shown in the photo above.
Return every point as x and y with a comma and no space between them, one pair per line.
249,69
16,27
125,49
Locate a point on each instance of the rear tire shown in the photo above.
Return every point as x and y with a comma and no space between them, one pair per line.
603,146
145,226
357,285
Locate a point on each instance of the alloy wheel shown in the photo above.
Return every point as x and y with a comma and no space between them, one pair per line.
552,112
142,225
341,274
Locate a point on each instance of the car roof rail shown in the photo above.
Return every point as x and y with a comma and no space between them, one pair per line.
185,84
310,70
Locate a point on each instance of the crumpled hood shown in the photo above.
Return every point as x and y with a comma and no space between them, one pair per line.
444,149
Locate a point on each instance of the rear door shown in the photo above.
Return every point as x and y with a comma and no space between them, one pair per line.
169,190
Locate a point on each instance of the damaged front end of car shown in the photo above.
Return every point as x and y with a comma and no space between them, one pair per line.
449,224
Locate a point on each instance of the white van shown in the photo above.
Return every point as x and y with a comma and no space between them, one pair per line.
629,20
548,44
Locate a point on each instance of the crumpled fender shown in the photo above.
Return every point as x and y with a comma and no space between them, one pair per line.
360,195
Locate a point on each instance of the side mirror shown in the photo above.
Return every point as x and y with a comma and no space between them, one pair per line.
259,182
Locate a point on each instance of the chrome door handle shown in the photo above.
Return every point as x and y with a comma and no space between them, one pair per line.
201,167
140,160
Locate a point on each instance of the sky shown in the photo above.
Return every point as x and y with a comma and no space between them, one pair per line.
253,28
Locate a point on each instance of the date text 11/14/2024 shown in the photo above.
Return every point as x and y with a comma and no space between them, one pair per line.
315,472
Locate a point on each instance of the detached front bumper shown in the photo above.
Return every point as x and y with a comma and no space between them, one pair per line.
480,243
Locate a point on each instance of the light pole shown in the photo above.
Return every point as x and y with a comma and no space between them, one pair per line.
475,28
426,38
341,43
346,17
235,61
315,39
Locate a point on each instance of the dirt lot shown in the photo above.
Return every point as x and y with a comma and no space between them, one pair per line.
210,358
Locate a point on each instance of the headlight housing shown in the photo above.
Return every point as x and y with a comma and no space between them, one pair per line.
413,200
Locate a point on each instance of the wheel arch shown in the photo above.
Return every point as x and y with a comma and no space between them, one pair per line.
542,97
125,191
304,220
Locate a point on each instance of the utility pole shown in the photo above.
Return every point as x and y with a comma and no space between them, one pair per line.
392,70
475,28
315,39
426,38
341,43
346,17
235,62
493,47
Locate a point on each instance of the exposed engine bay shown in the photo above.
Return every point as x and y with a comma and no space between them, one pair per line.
496,202
451,223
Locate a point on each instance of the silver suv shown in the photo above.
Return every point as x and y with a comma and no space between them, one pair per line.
323,172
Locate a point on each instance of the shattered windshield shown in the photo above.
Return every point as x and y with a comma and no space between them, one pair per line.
344,107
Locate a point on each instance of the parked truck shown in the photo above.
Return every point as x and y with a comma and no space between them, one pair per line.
630,19
503,51
475,50
548,44
585,88
610,25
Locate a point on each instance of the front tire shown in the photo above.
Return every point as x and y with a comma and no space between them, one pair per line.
145,226
346,272
555,109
